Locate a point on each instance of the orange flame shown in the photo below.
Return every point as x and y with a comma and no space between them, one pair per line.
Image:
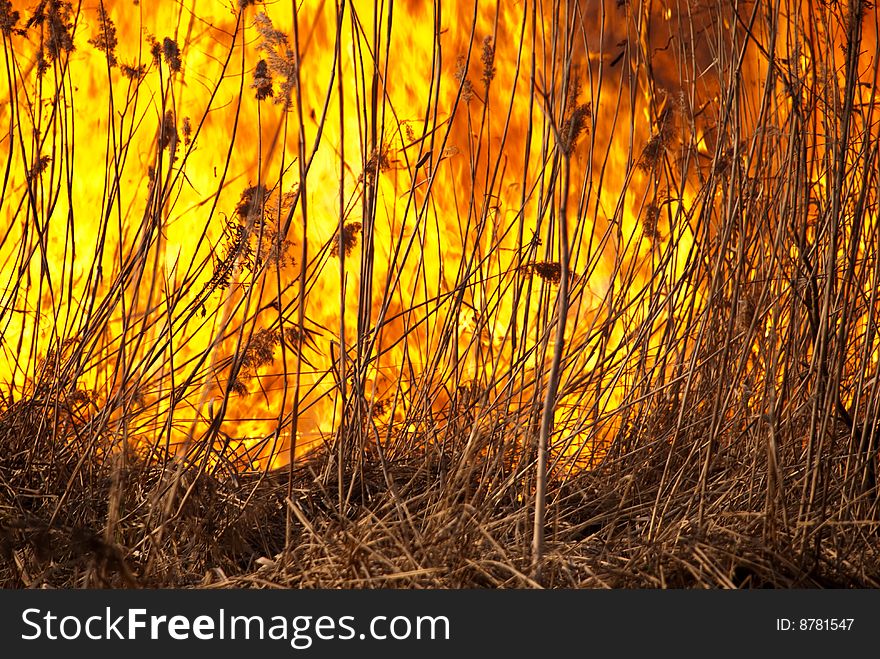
240,231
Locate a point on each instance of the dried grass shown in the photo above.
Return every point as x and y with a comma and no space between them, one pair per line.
731,396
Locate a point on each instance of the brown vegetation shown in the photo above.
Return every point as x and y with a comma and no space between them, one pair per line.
530,337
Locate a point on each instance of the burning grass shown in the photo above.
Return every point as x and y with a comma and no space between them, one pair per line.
564,298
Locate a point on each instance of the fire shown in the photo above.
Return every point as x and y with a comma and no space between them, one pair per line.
243,232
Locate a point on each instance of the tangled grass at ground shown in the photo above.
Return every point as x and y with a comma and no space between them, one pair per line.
420,521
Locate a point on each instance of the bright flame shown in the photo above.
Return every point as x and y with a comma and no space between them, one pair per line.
171,269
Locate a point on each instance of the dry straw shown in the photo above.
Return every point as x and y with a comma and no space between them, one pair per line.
695,409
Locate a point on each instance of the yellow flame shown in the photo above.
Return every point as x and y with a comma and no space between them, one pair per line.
447,180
